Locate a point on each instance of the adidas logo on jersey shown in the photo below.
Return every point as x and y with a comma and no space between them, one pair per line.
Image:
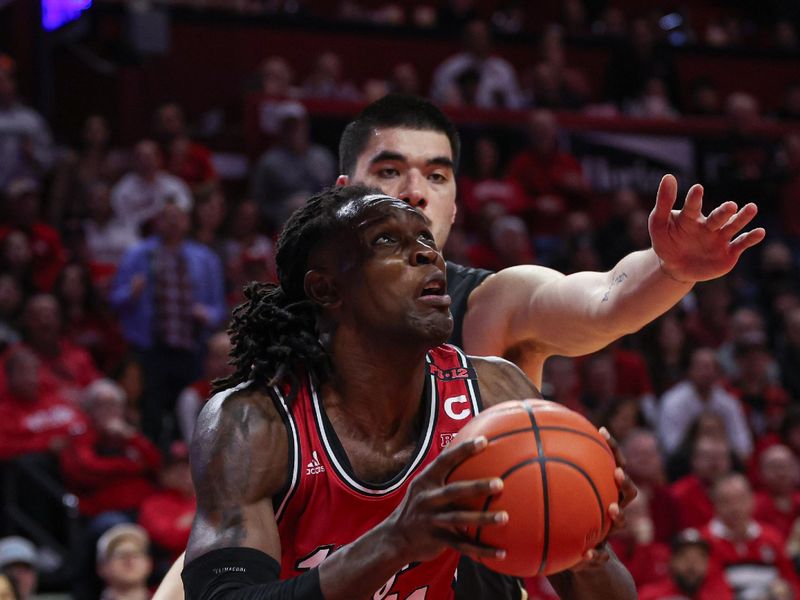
314,467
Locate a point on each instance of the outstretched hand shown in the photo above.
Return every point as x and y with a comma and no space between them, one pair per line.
693,247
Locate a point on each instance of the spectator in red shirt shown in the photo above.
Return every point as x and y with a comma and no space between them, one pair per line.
16,259
11,297
623,416
184,158
635,545
764,402
749,553
709,325
553,179
168,513
666,351
645,466
111,466
598,383
485,184
690,577
711,460
67,368
632,376
87,322
778,503
509,244
31,419
745,327
22,201
561,383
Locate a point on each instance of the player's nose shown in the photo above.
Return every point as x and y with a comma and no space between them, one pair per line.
413,191
423,255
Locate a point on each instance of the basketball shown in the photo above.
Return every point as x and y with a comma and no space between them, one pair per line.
558,474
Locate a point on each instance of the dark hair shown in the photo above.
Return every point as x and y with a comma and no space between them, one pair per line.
393,110
91,302
274,332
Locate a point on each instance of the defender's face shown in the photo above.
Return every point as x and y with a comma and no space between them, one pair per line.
394,280
416,167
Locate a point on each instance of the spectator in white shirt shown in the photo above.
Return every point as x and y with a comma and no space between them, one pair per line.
107,237
140,195
701,391
26,146
496,83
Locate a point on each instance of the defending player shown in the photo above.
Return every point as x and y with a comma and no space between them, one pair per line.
333,444
409,149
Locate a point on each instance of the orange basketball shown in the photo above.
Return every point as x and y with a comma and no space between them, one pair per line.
558,475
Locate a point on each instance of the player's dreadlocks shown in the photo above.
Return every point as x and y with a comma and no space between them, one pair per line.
274,332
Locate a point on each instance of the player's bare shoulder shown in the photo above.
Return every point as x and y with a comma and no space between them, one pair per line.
241,444
501,380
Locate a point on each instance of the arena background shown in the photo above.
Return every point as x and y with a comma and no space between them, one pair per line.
246,100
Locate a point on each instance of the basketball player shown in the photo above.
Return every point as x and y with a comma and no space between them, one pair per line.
320,471
408,148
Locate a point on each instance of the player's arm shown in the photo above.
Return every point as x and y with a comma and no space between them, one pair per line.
239,458
583,312
600,576
171,586
595,581
239,462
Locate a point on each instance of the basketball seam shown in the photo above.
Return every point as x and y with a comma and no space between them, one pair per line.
506,434
492,497
604,446
583,472
545,492
543,460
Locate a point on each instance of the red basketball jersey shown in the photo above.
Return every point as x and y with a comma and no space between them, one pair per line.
326,506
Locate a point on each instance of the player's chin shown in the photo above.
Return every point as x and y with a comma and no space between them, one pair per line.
435,326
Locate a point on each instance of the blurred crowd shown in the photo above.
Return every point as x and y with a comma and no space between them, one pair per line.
640,80
744,23
120,265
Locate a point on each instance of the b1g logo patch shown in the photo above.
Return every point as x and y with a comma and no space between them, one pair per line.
445,439
451,374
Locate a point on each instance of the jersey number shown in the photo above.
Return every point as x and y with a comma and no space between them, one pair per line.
315,558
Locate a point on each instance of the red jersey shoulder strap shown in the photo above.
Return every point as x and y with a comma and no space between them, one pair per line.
449,364
294,460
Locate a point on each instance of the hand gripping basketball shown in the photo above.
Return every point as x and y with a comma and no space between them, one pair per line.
427,520
559,483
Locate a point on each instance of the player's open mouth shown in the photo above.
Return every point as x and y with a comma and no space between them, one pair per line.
434,291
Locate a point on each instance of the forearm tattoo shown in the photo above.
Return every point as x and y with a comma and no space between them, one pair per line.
618,279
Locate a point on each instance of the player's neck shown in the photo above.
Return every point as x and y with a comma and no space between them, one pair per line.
377,385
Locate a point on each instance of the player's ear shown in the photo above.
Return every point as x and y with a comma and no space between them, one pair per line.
320,287
342,180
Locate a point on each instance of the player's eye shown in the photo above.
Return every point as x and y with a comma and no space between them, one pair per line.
437,177
427,237
388,172
383,239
